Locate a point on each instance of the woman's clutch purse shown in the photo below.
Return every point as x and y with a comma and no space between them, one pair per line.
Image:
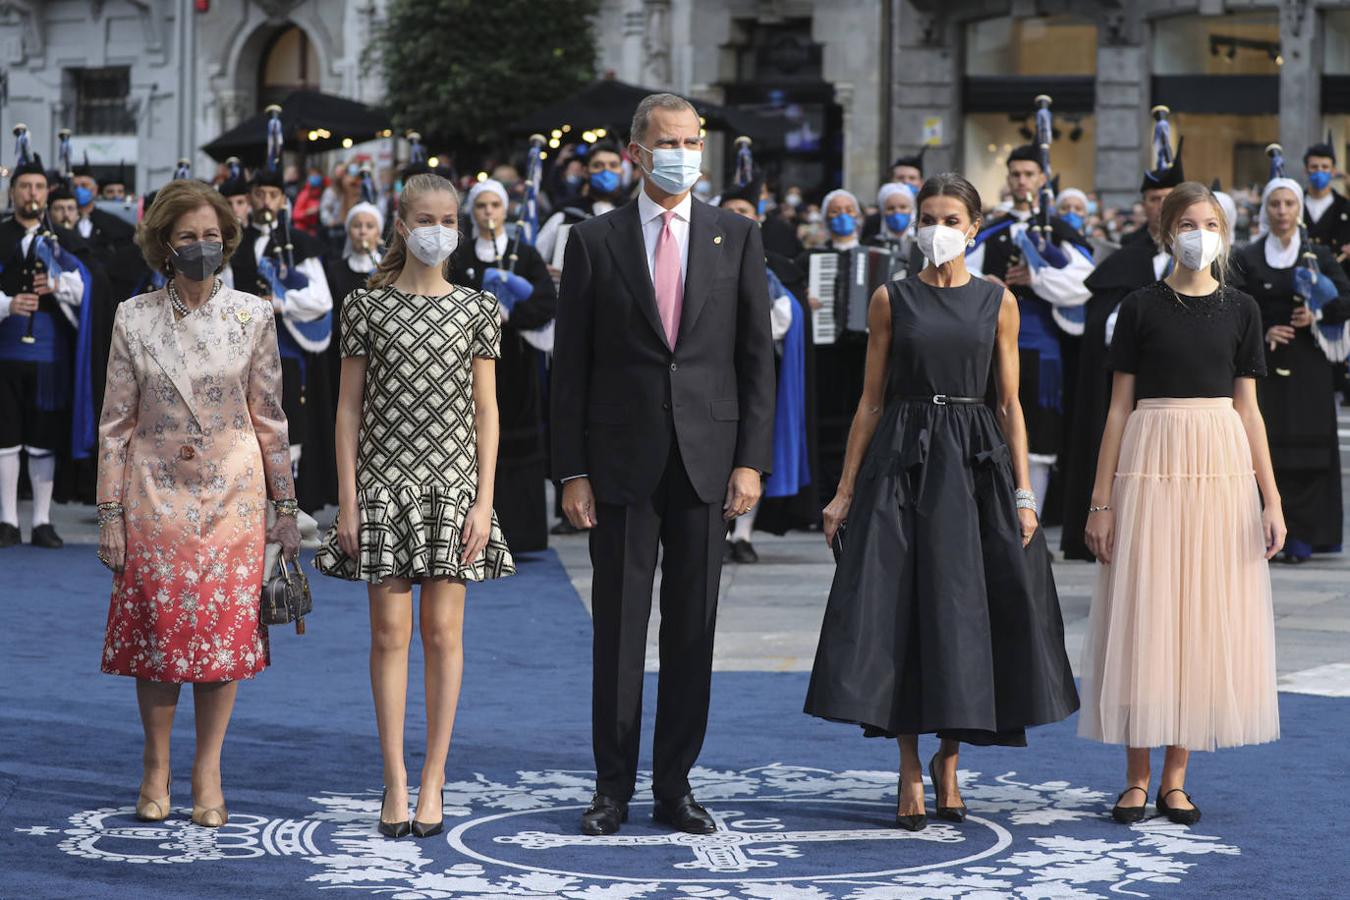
285,589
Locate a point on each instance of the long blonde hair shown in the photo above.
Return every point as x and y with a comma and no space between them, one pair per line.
1176,203
391,266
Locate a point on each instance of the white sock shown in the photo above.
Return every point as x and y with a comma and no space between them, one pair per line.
42,472
745,525
1040,479
9,486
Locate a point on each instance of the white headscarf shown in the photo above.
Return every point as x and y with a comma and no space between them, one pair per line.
1230,213
889,188
839,192
356,260
487,184
1071,192
1279,256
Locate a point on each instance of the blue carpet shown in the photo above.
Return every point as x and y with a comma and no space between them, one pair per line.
805,804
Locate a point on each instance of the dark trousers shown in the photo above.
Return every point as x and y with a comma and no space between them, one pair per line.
623,555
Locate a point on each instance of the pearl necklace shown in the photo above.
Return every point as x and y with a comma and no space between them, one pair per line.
180,308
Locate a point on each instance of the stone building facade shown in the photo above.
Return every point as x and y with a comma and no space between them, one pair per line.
143,82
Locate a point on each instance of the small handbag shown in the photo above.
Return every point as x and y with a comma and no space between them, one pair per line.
286,597
285,590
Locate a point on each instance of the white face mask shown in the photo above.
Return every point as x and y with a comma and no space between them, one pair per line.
432,244
940,243
1197,249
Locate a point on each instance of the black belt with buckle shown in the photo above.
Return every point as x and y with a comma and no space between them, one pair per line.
946,400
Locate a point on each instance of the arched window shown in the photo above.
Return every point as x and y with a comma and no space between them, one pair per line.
289,64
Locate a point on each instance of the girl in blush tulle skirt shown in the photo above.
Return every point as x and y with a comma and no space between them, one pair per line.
1180,650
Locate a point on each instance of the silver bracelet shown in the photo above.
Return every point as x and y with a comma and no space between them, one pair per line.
1028,503
1093,509
1024,494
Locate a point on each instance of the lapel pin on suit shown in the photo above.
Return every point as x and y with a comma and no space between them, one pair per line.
717,240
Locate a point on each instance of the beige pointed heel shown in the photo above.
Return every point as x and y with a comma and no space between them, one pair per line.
214,817
151,810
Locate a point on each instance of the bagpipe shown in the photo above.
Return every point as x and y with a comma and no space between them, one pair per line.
1037,240
1315,290
501,279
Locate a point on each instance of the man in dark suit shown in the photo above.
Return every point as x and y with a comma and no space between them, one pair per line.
662,420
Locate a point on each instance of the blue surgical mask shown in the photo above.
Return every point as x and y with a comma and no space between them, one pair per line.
1073,219
762,207
674,171
897,222
1319,180
316,181
1092,207
606,181
842,225
83,197
913,189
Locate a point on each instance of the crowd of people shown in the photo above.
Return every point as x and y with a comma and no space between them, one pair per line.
925,378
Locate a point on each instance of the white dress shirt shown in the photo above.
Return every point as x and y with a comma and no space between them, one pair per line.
1316,206
649,214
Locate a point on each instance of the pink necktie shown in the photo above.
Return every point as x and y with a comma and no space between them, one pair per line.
667,281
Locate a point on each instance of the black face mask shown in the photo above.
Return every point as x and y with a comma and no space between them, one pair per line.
198,261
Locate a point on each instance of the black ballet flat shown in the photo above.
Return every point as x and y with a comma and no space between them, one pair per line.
392,829
1129,815
946,813
1178,816
909,823
430,829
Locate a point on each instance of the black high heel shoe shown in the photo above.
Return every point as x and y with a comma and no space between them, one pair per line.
1174,815
1128,815
910,823
430,829
392,829
948,813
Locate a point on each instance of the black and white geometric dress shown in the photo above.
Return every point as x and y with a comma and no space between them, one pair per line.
417,454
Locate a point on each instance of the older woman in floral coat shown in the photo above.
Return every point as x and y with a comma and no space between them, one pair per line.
192,443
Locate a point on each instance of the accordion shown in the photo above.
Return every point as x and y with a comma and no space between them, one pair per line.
844,282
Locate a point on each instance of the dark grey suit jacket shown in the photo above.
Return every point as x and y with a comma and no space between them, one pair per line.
621,394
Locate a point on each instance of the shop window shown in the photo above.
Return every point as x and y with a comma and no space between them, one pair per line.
1042,45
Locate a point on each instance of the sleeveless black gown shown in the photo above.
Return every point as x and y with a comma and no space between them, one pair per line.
938,619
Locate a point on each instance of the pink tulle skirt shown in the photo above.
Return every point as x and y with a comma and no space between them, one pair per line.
1181,637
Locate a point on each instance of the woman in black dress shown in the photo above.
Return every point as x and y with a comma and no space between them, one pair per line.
943,615
1298,397
526,300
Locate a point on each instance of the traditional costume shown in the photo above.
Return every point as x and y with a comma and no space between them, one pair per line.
46,408
526,302
1326,218
1298,400
286,266
1052,316
1137,263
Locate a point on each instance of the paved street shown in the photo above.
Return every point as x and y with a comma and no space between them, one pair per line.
770,612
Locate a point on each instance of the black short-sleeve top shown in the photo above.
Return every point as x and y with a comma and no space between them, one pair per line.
1179,346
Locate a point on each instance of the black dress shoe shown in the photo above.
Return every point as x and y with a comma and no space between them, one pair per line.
392,829
743,552
1178,816
1128,815
684,815
911,823
564,527
603,816
430,829
947,813
9,535
46,536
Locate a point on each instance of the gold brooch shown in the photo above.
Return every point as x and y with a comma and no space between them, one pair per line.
717,240
244,316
